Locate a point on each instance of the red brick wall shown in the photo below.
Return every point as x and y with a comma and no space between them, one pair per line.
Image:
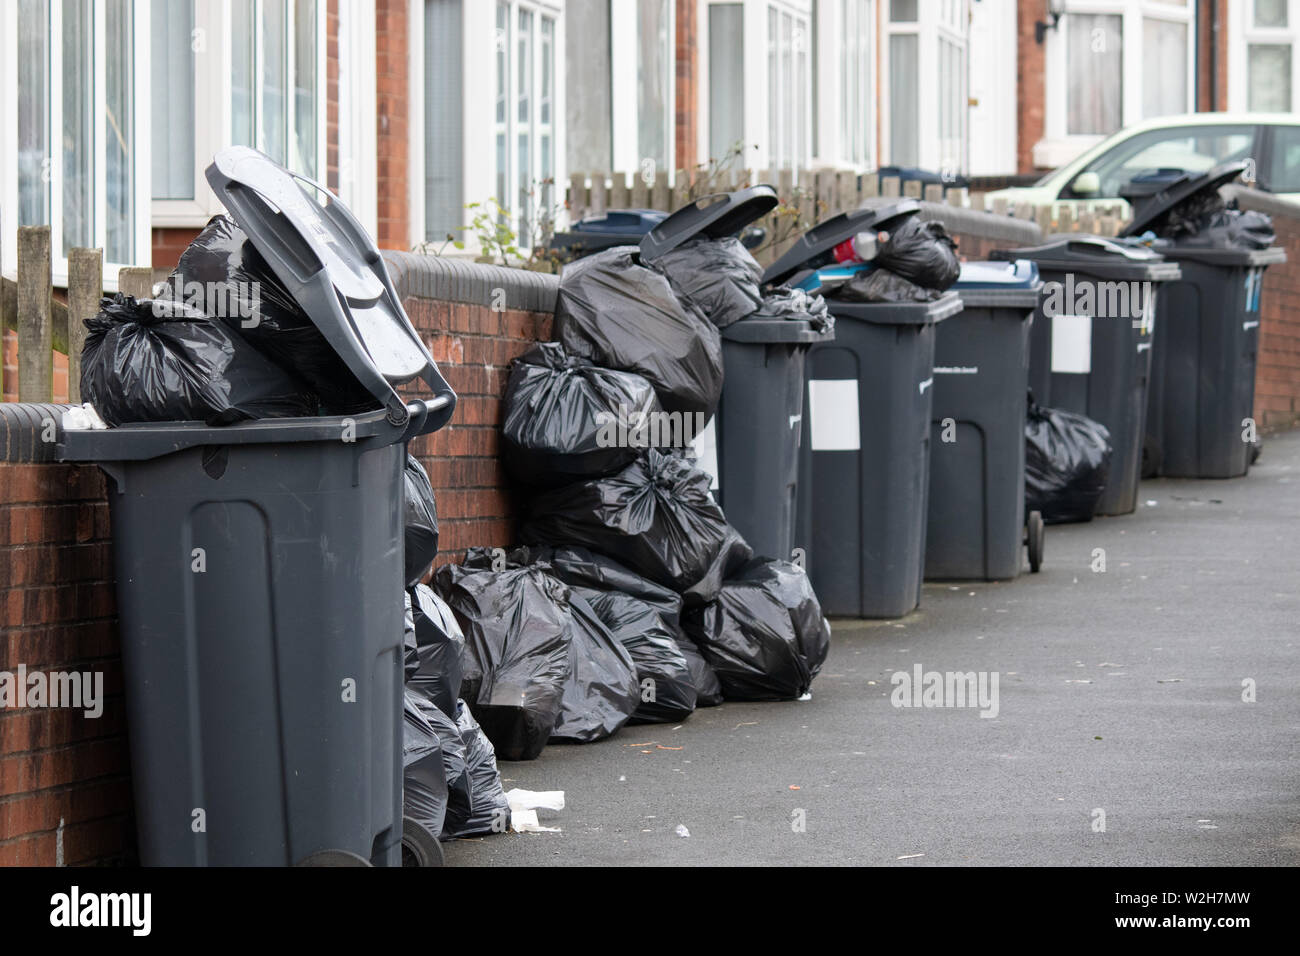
1277,377
392,74
473,346
1031,65
1205,38
63,776
332,95
688,71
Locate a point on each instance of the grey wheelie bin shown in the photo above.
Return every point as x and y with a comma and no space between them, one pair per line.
864,460
1202,395
1090,343
260,576
977,525
756,430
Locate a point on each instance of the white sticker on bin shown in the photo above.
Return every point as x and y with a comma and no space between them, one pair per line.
833,414
1072,343
705,445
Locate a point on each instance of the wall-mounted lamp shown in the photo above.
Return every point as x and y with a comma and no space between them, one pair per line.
1055,8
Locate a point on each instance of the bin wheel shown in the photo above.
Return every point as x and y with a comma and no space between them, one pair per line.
334,858
1034,534
419,846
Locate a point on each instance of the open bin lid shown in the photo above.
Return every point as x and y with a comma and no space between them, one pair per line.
335,273
822,238
1152,200
1012,284
1094,255
712,217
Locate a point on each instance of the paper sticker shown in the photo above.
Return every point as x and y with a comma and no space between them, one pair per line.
1072,344
706,453
833,414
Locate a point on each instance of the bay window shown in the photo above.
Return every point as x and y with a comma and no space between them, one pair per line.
1261,55
1113,63
82,160
242,72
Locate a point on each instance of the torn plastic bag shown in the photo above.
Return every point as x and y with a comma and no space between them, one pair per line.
567,419
222,275
765,635
656,516
787,303
486,810
435,649
1231,229
922,252
424,776
880,285
1067,464
622,315
718,275
600,692
420,522
155,360
517,628
665,686
583,568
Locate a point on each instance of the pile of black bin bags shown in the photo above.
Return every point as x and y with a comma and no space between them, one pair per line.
631,599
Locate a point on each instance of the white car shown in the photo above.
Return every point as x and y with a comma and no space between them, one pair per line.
1192,143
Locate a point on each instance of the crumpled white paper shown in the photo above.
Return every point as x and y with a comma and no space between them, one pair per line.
524,805
82,418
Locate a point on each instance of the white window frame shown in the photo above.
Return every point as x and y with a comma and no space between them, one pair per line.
756,107
625,123
1059,146
1242,33
478,23
212,107
141,85
934,18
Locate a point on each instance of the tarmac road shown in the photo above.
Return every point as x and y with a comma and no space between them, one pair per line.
1119,691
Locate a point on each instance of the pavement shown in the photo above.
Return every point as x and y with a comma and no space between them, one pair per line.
1121,738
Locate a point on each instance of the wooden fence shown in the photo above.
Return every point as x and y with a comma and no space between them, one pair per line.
814,195
46,323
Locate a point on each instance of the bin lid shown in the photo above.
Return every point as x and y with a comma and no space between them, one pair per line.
899,313
334,271
1152,200
711,217
1094,255
1229,258
873,216
776,331
1014,284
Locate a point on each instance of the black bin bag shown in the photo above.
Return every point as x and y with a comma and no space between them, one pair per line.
567,419
435,648
419,522
155,360
656,516
623,315
583,568
765,635
921,251
1067,464
718,275
517,628
665,686
222,275
486,809
424,776
460,796
600,692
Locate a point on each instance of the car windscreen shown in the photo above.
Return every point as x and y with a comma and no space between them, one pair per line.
1162,152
